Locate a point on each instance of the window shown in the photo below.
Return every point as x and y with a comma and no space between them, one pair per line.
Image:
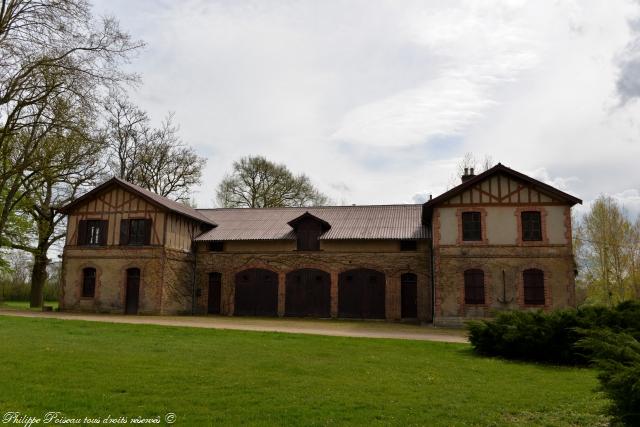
531,226
88,282
135,232
216,246
471,226
408,245
308,233
92,232
474,286
533,281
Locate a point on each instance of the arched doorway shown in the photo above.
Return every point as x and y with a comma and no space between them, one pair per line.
361,294
256,293
308,293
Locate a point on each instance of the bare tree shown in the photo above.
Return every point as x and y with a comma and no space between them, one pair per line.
73,164
469,161
49,50
154,158
258,183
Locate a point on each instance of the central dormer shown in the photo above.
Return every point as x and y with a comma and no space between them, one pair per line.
308,229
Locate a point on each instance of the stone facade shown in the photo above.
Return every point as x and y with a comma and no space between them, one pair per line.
175,262
380,256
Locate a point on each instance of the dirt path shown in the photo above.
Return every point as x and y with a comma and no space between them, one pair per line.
341,328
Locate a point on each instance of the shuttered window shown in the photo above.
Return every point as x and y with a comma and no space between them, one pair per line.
92,232
88,282
531,226
474,286
308,235
533,281
471,226
135,232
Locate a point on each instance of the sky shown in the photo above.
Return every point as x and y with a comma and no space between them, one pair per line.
377,101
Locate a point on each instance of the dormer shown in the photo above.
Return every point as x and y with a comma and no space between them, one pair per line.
308,229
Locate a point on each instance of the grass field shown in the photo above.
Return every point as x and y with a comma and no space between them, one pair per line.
24,305
218,377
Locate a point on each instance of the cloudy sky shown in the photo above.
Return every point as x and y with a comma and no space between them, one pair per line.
377,100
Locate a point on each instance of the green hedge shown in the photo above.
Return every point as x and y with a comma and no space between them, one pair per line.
550,337
617,357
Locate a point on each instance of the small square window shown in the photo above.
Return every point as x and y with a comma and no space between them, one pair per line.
216,246
408,245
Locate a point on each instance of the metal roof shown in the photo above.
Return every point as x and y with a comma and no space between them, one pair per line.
347,222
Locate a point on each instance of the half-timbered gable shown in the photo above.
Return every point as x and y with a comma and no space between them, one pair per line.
499,240
496,224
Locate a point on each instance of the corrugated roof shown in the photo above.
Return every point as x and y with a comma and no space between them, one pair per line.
347,222
150,196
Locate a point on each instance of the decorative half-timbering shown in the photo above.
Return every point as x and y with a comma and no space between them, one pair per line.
500,240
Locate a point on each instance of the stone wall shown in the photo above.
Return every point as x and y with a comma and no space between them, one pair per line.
503,268
165,279
392,264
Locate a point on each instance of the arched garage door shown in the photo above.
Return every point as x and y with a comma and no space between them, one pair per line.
361,294
308,293
256,293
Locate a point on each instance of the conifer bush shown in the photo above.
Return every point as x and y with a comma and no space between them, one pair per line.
550,337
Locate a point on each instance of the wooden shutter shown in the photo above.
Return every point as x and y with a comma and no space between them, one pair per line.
124,232
104,228
147,231
533,286
82,232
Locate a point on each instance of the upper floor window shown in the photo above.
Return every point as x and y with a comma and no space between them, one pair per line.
88,282
135,232
408,245
533,283
92,232
216,246
531,226
308,233
474,286
471,226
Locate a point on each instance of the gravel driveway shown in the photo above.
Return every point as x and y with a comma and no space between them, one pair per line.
341,328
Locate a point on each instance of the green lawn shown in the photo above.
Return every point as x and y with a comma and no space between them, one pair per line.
220,377
24,305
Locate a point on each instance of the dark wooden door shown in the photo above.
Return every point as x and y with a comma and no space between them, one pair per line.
256,293
132,296
308,293
409,295
361,294
215,282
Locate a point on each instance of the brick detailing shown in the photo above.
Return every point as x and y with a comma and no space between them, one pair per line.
391,264
483,225
543,225
548,293
465,308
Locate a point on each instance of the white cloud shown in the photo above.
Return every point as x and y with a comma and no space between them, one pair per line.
384,96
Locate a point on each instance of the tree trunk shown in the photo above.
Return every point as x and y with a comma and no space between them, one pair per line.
38,278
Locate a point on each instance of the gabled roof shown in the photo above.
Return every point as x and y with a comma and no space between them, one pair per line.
294,222
499,168
347,222
149,196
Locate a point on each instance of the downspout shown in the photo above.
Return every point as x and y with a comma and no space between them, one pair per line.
194,246
433,279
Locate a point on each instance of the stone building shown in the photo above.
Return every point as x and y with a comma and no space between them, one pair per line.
499,240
